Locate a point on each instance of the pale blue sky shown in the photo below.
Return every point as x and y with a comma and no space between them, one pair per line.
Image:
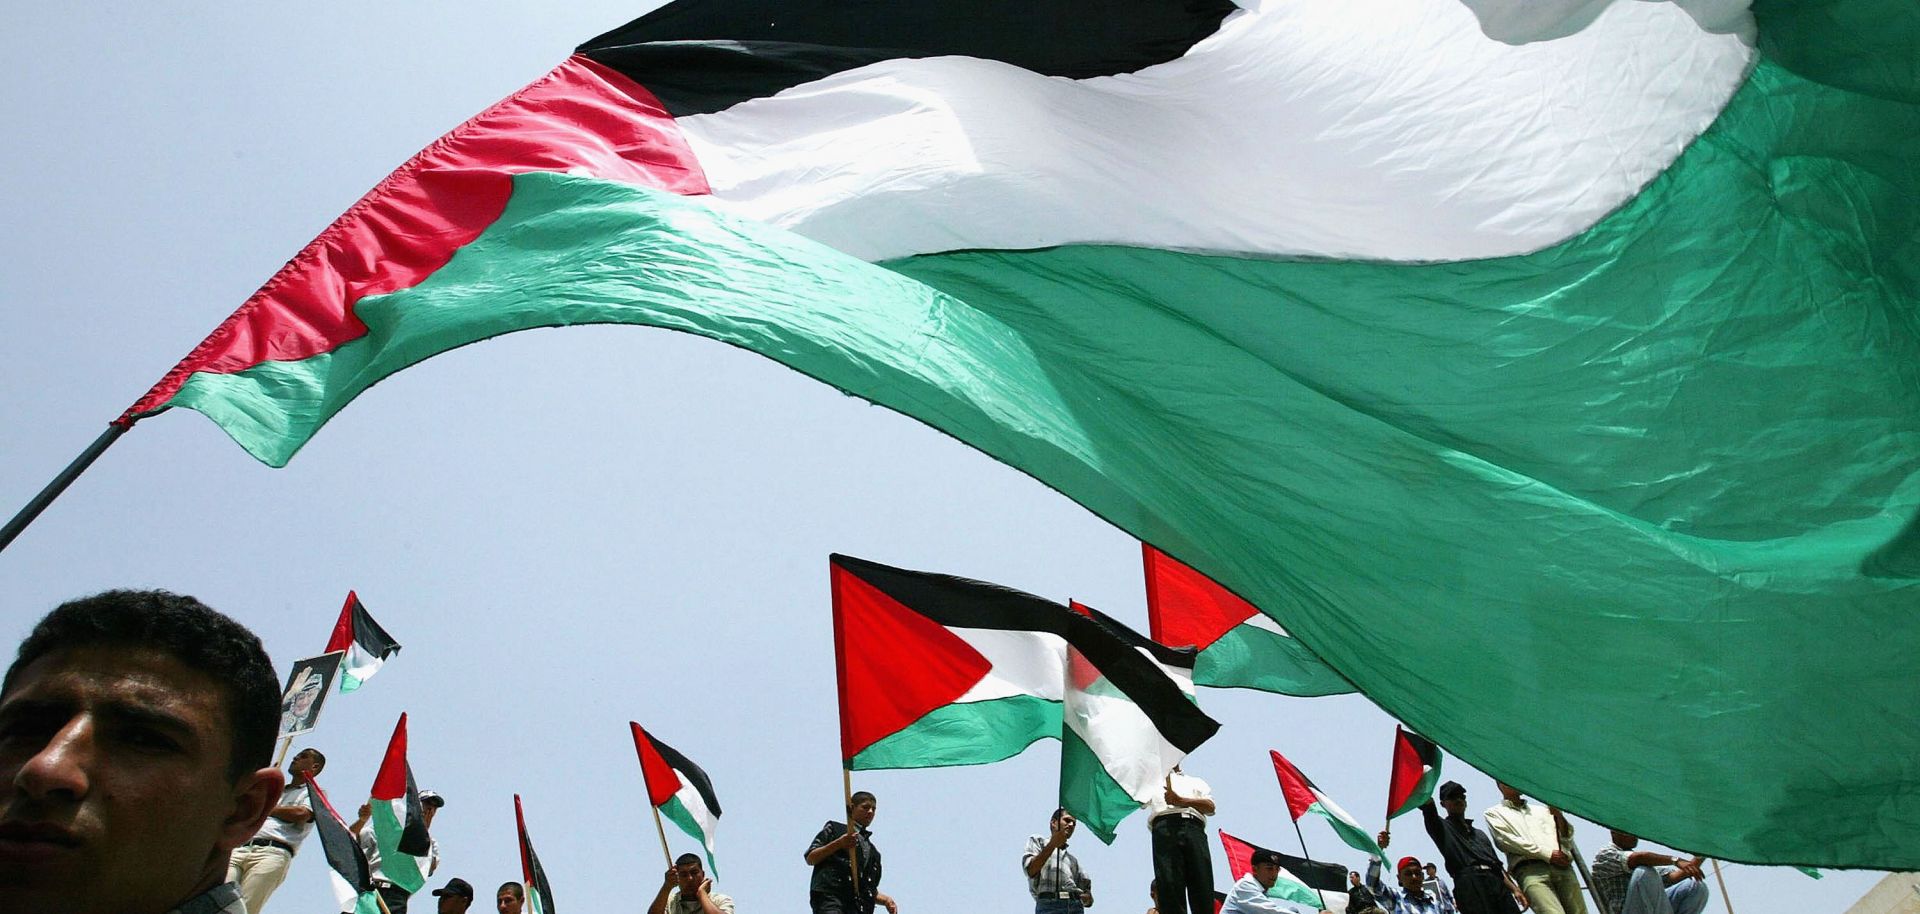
567,529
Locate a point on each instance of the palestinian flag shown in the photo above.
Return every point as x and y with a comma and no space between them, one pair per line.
366,644
1397,315
1416,770
1240,646
1128,723
532,874
936,670
347,867
1303,797
1322,886
399,825
679,789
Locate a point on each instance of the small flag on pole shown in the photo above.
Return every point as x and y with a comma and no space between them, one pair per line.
1303,797
351,877
399,823
366,644
1240,646
1416,769
539,893
679,789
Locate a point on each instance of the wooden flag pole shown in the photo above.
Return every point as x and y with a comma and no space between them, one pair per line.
60,483
281,756
662,829
853,850
1721,880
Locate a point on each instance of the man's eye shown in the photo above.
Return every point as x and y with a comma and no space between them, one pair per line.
148,738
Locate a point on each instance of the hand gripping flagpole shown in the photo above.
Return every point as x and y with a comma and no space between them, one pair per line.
59,484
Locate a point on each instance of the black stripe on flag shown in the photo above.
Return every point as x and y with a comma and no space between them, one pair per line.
337,843
956,602
1182,657
700,56
689,772
413,832
369,635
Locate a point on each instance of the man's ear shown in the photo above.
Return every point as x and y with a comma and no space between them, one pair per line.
254,795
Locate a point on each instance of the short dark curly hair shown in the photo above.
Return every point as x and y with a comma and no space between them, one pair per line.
189,630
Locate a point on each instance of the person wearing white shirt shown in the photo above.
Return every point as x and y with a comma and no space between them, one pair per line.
1529,834
260,865
395,896
1249,895
1182,863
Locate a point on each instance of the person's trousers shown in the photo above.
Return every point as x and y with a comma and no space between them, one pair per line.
257,871
1550,889
1058,906
393,895
1182,864
829,903
1482,891
1648,893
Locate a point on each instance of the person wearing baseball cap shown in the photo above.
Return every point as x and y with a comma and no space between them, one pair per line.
1412,896
455,896
395,896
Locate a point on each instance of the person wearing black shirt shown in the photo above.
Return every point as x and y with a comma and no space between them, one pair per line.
1480,883
832,890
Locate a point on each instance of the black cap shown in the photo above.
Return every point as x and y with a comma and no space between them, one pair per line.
1452,789
456,887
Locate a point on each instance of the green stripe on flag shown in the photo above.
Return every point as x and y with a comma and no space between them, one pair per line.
1088,791
676,812
400,869
974,733
1250,657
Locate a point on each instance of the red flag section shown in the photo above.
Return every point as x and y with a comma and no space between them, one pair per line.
391,782
662,781
1296,787
894,664
1239,855
1186,608
342,637
1414,757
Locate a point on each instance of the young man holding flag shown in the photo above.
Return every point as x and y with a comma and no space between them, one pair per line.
1251,894
1480,884
393,893
260,865
688,890
1054,877
833,889
1412,896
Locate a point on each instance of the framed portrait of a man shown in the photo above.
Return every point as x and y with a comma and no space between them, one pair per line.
307,687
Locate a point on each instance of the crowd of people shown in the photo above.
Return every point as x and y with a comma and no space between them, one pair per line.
136,734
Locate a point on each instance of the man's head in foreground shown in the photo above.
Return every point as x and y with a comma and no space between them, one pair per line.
1266,868
688,873
136,742
455,897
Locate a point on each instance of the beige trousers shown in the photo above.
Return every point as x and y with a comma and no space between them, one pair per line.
257,871
1550,889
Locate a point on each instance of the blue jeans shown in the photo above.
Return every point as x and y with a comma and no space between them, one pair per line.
1057,906
1648,893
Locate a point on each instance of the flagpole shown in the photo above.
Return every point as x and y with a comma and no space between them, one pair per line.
1393,759
662,829
853,850
1303,849
59,484
281,756
1724,897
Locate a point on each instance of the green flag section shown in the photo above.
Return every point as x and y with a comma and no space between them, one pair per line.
399,824
1614,371
1320,886
1240,647
347,869
1303,797
1127,725
1414,773
532,874
365,643
679,789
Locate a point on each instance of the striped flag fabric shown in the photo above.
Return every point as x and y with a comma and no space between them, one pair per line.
1323,886
366,644
399,824
679,789
1395,316
1240,646
347,869
1415,772
532,874
1303,797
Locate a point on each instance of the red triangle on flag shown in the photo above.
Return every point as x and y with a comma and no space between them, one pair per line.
662,781
1186,608
894,664
1239,855
342,637
391,782
1296,787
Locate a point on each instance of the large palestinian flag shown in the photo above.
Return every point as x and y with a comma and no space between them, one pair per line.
366,644
398,821
1586,330
679,789
1239,646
